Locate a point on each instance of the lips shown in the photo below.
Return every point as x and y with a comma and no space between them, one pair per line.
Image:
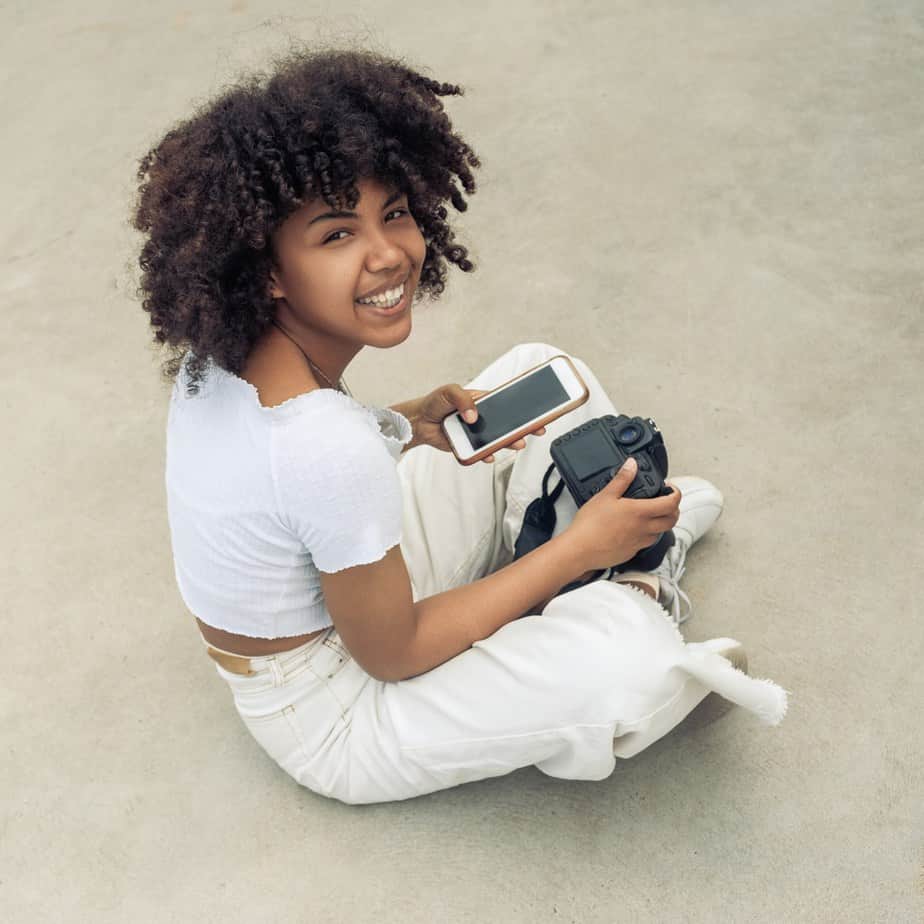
396,309
386,295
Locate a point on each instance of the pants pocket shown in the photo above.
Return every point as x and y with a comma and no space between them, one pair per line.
278,734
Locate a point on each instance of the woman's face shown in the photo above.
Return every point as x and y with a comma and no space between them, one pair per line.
330,263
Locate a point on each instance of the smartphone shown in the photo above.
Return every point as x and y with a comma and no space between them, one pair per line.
508,412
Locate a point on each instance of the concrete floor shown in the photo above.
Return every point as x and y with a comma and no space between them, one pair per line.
720,207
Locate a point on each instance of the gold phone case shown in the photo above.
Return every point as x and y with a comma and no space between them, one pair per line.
552,415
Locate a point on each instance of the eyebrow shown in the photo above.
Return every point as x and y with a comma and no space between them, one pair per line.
394,197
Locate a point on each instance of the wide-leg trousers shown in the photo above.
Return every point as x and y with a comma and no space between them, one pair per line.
600,673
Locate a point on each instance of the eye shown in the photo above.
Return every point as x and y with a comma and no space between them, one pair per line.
333,237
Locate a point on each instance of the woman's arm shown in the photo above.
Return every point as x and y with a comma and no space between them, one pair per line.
393,638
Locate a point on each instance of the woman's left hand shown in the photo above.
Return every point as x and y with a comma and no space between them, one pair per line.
433,408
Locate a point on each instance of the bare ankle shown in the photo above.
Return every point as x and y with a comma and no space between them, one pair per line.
643,580
645,588
642,587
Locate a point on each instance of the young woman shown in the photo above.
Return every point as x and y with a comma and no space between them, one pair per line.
353,583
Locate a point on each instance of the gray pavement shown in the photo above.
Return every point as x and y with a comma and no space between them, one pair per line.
720,207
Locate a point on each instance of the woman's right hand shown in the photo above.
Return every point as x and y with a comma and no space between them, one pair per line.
609,528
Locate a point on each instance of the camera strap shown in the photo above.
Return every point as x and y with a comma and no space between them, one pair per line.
539,519
539,523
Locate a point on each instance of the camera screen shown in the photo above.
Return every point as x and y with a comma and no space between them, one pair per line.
590,453
515,406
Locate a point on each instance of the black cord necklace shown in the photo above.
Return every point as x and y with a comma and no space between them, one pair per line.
341,386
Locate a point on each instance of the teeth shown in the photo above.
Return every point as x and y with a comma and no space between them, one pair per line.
387,299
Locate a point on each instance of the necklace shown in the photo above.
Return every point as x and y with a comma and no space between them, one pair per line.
341,386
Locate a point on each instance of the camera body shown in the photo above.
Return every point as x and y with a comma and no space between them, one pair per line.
589,456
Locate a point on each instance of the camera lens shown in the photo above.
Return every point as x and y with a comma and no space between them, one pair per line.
628,434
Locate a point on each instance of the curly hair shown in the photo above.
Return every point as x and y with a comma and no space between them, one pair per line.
218,184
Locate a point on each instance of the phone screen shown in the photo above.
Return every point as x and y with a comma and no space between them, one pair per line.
515,406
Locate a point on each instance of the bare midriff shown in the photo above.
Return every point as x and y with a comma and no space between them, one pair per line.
250,646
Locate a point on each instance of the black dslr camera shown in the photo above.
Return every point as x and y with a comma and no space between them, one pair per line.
588,457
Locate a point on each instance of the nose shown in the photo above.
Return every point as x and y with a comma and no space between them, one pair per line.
383,252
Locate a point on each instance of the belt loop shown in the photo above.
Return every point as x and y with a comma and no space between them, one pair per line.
276,670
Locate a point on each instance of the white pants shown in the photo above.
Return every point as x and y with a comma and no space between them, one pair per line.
601,673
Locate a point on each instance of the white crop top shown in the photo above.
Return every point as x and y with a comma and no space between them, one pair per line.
260,499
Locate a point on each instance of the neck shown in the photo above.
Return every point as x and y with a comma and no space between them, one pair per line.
329,354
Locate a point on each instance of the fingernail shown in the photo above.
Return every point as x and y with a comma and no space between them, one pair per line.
470,416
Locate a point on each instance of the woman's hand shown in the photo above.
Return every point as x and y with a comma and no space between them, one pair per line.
610,529
427,413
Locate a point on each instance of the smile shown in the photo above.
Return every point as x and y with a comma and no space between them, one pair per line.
388,311
388,299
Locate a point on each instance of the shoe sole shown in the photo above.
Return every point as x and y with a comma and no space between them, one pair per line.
714,706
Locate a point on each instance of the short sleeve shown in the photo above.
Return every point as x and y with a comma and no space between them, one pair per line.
337,486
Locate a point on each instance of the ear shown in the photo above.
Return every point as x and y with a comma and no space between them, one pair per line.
273,288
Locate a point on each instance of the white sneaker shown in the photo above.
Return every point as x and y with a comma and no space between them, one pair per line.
700,506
